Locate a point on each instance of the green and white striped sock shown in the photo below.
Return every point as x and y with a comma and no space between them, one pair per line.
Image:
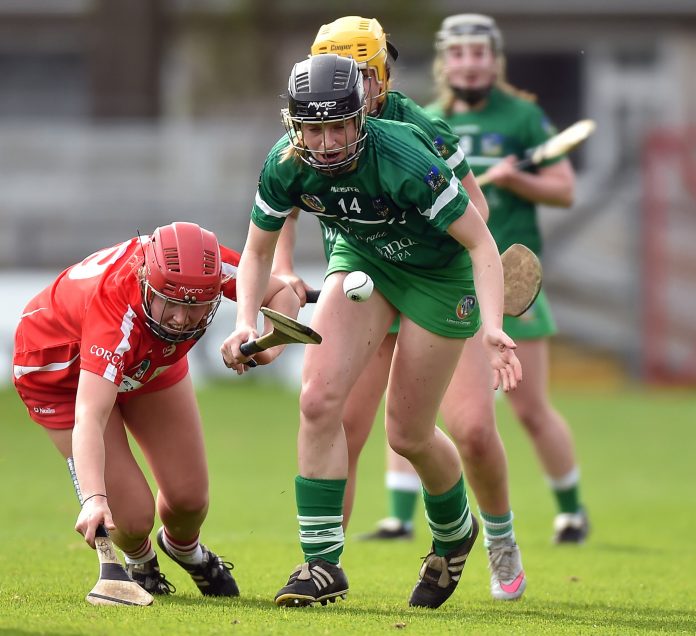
496,527
449,517
566,489
320,514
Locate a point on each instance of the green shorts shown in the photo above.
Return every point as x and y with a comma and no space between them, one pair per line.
536,322
395,325
440,300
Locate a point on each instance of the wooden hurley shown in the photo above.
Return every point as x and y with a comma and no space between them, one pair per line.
114,586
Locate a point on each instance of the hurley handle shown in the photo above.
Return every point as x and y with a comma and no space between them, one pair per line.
101,530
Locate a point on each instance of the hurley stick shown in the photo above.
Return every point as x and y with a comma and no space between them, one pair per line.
114,586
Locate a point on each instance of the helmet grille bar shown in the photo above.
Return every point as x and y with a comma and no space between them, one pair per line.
171,259
341,79
302,83
209,262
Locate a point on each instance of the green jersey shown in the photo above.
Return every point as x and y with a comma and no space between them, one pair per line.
399,107
396,204
506,125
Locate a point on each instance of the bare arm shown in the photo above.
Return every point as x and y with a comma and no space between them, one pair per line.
471,231
283,261
476,195
553,185
94,403
281,297
252,282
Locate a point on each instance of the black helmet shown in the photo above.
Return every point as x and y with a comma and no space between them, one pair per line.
325,88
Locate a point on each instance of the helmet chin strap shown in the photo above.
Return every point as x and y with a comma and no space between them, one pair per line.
471,96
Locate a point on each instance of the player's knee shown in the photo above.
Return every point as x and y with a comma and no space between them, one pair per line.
532,417
403,442
318,401
187,503
475,440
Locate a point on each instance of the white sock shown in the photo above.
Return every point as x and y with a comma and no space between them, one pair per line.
190,554
142,555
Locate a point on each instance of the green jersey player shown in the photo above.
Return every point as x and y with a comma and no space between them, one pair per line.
474,430
405,219
496,124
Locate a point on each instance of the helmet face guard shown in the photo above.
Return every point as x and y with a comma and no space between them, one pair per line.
182,278
467,28
362,39
326,89
183,332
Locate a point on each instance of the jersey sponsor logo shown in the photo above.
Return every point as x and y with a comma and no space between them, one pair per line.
465,307
111,357
492,145
396,250
441,147
313,202
435,179
168,351
133,384
44,410
344,189
373,237
330,233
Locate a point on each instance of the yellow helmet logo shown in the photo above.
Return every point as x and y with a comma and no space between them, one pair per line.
362,39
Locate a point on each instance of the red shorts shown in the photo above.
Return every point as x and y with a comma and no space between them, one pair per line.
57,410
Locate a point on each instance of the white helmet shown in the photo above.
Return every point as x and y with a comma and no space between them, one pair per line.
469,27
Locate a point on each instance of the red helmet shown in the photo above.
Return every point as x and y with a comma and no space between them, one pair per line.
182,267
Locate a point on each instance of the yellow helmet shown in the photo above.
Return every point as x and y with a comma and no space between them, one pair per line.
362,39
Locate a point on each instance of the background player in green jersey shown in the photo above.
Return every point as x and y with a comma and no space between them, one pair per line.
405,219
497,123
473,429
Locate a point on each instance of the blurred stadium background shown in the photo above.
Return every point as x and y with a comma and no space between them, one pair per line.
119,115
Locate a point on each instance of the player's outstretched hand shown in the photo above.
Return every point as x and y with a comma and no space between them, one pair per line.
507,370
95,511
231,355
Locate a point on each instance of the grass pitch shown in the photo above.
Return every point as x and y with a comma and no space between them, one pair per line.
635,575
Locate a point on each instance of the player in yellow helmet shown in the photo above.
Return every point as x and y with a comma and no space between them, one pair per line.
475,432
364,40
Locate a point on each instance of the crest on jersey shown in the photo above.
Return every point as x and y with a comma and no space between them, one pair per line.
313,202
435,179
441,147
492,145
381,207
465,307
142,370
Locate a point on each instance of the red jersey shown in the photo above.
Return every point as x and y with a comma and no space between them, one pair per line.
92,318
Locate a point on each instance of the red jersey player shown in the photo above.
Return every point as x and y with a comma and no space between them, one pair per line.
103,350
